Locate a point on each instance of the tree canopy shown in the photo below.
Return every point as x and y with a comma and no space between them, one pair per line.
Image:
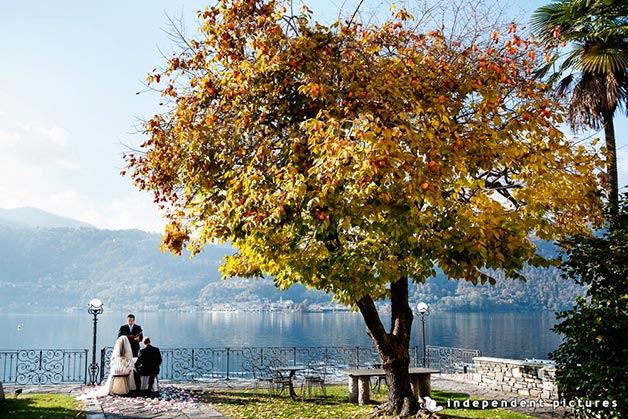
351,157
329,153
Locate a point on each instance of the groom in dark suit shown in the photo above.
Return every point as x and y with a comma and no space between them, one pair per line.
133,332
147,364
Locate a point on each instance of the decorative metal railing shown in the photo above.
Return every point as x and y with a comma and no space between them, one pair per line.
57,366
451,360
185,364
43,366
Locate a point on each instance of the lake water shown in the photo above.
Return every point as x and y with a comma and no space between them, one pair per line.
507,335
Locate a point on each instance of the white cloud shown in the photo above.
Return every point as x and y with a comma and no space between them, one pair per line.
8,139
30,145
129,212
67,164
39,168
19,183
56,135
132,211
135,210
20,175
27,151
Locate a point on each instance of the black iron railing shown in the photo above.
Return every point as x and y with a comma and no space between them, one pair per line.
43,366
451,360
185,364
57,366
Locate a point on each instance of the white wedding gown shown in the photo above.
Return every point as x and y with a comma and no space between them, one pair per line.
121,363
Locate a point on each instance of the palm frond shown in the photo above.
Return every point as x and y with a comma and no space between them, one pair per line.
584,104
564,85
605,58
545,20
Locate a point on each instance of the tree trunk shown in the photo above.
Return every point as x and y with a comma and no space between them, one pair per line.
393,347
611,164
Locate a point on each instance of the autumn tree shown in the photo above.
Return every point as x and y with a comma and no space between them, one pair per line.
354,159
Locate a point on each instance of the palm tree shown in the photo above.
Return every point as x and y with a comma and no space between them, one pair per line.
593,74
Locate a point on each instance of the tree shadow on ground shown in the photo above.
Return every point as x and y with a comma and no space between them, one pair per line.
36,406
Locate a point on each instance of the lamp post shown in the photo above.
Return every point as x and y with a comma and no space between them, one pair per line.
424,311
95,308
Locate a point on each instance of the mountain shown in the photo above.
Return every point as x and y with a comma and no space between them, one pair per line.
33,217
49,263
51,267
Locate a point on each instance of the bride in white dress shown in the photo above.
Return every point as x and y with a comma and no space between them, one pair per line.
121,363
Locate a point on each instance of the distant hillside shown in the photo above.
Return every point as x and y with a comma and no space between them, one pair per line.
543,290
44,269
33,217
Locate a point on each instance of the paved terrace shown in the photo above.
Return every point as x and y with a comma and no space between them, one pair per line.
178,401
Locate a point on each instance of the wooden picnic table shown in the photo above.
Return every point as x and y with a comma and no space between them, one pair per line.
359,382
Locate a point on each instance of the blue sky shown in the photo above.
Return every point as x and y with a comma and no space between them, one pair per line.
68,105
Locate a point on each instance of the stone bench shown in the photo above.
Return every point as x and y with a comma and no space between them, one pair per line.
359,382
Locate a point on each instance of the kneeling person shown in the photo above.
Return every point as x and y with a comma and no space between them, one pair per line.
147,364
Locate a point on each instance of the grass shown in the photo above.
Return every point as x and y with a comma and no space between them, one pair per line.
248,404
37,406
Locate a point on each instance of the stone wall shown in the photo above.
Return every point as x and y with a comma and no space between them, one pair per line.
530,379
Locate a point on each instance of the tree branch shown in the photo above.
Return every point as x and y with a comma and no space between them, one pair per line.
374,326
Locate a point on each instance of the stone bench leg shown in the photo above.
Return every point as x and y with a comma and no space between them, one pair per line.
421,385
364,387
353,389
425,386
359,388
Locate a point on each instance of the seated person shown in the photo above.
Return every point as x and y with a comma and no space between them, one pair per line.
147,364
